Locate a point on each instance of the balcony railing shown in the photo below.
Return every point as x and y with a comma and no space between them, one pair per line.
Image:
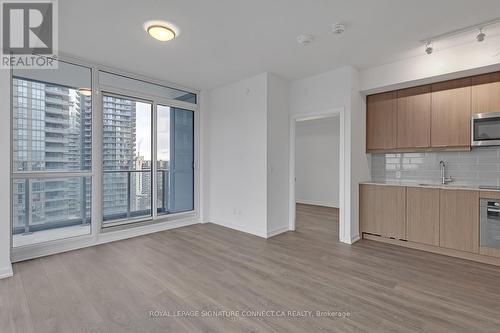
127,195
32,209
137,190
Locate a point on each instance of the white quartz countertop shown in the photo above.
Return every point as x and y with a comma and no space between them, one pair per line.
430,185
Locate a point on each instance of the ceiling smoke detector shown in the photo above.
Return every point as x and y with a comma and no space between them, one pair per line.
338,28
305,39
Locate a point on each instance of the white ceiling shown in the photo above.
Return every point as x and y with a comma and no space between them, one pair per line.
222,41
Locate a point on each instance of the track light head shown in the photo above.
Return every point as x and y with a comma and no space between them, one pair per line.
428,48
481,35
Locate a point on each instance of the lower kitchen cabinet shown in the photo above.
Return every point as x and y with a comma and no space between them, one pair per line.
459,220
382,210
422,215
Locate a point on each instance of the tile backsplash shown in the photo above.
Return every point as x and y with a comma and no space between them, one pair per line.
480,166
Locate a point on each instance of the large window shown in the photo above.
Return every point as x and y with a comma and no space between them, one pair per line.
144,170
52,154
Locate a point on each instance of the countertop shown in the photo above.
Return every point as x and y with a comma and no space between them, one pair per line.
430,185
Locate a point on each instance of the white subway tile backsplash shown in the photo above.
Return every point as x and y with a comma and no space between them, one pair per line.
480,166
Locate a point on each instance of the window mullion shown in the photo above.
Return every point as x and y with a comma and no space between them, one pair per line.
154,166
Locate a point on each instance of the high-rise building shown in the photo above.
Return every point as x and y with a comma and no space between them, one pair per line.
119,154
52,126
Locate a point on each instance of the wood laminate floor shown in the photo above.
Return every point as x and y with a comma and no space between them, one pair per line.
383,288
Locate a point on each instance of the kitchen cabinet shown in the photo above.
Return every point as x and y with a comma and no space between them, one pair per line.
451,113
486,93
381,121
414,117
382,210
459,220
422,215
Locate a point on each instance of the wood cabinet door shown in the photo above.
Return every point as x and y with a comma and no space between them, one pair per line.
381,121
382,210
451,113
486,93
414,117
422,215
459,220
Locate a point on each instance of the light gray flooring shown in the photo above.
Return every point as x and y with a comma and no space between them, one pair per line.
113,287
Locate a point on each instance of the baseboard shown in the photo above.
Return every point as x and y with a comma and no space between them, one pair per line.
316,203
355,239
6,272
277,231
240,228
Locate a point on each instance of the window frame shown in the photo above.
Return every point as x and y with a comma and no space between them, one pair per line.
100,234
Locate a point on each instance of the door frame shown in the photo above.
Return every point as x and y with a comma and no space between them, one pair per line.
337,112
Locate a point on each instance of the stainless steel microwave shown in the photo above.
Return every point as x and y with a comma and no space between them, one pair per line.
486,129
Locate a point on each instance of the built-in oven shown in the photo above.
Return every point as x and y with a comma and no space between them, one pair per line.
486,129
490,223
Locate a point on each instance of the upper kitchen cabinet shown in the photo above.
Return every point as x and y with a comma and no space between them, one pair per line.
381,121
451,114
414,117
486,93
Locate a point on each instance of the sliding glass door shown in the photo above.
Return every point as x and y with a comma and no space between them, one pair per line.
128,152
126,156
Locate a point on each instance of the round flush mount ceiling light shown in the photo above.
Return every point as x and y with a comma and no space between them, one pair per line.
85,91
161,30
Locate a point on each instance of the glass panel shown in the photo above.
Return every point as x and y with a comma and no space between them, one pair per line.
487,129
175,157
140,86
52,120
49,209
126,158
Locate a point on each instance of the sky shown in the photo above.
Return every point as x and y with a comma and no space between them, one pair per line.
143,131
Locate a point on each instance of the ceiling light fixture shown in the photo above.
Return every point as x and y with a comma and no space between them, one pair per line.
481,35
85,91
161,33
428,47
305,39
462,31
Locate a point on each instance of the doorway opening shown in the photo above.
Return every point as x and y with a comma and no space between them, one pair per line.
317,174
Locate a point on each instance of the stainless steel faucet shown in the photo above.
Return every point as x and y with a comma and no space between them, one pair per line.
444,179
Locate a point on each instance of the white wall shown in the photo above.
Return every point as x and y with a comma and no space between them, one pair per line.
461,60
278,148
317,161
339,89
5,265
235,155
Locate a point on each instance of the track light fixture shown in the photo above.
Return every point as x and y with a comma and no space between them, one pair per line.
428,47
481,35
